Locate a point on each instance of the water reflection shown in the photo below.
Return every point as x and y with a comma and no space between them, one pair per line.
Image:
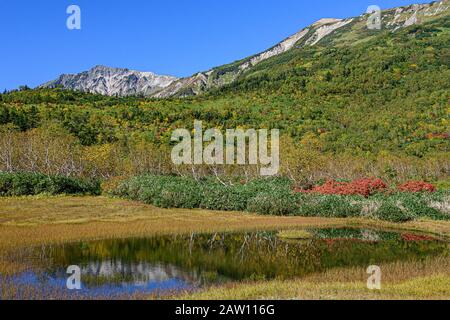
127,266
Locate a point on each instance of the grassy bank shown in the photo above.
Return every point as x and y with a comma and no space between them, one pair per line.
276,196
428,279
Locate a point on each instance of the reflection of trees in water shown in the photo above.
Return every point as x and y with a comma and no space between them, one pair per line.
261,242
219,255
256,254
139,272
208,257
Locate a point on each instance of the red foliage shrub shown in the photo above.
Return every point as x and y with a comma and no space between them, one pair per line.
431,136
416,186
364,187
415,237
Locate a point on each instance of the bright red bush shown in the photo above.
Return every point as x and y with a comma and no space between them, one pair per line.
415,237
364,187
416,186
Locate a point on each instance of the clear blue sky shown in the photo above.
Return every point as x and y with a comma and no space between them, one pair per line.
176,37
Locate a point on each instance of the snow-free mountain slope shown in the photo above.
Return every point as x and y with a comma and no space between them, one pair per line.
113,82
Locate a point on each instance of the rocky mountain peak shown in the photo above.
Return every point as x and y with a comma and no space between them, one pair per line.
113,81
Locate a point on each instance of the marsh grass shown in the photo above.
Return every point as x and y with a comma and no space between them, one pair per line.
427,279
32,221
295,234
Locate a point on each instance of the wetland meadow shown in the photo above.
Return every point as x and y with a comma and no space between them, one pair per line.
130,250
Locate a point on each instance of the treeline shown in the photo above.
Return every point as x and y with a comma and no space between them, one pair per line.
52,150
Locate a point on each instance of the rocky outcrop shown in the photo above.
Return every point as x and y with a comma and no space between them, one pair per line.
113,82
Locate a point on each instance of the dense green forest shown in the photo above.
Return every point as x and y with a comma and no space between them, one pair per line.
378,107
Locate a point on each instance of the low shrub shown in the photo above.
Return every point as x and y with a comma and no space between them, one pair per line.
275,196
216,196
329,206
419,205
207,193
183,193
363,187
390,211
416,186
366,187
273,204
23,184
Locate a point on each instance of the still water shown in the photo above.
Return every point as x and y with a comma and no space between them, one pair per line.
123,267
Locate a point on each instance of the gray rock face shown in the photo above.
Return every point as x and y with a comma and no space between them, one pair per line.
113,82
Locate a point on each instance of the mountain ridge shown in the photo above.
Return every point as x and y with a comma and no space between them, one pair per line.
151,85
112,81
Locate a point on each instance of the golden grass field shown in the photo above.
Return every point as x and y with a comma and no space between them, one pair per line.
32,221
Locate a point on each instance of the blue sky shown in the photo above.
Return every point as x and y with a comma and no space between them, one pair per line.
176,37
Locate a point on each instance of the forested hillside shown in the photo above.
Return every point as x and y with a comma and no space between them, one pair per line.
375,107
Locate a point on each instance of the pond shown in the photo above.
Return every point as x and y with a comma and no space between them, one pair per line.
124,267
